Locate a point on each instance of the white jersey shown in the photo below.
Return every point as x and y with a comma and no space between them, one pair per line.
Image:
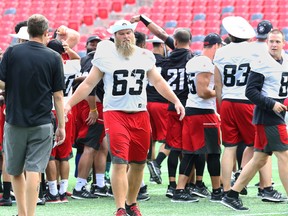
71,70
195,66
276,75
233,62
125,79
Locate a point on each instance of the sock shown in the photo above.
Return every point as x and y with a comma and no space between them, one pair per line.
173,184
6,189
100,181
63,186
80,182
160,157
216,191
233,194
268,188
53,187
108,165
142,184
199,183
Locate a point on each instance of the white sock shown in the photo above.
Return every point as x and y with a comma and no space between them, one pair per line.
53,187
142,184
63,186
100,181
80,183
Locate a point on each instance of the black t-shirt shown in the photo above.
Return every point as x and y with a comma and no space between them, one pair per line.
32,73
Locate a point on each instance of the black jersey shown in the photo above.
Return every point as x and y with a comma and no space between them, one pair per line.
86,66
174,72
152,94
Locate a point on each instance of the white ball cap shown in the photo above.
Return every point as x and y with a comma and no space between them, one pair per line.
22,34
238,27
155,39
121,25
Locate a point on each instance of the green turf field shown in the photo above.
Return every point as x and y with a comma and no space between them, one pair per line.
159,204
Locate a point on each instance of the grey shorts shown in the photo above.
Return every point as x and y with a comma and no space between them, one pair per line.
27,148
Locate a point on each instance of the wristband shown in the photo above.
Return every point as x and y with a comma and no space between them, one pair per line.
145,20
93,110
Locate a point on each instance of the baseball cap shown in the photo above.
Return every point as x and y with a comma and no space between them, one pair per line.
22,34
212,39
91,38
238,27
56,45
121,25
155,39
263,28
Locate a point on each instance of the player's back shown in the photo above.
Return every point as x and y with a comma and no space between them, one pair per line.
233,62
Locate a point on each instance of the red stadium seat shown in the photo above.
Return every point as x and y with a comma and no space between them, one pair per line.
196,45
103,12
74,24
197,31
88,19
117,6
130,1
184,23
199,24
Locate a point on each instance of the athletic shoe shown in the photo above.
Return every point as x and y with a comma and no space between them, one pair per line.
41,201
216,197
142,197
49,198
99,191
121,212
183,196
258,184
143,190
83,194
155,171
5,202
233,203
110,192
63,198
200,191
132,210
271,196
170,191
236,175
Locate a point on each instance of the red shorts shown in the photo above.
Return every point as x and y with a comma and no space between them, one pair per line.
174,134
271,138
89,135
128,136
2,121
64,152
236,123
158,119
201,134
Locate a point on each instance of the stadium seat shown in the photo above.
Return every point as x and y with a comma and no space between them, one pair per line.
227,14
197,31
199,16
198,24
256,16
10,11
255,22
282,23
213,9
241,9
212,16
171,24
196,45
184,23
117,6
270,16
130,2
170,16
255,9
88,19
225,3
144,10
185,17
199,9
228,9
74,24
170,31
196,38
102,12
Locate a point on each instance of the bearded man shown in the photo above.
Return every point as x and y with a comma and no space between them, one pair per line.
125,70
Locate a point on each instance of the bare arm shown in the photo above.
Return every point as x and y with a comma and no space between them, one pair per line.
203,90
71,36
93,114
218,85
164,89
59,107
2,85
84,89
152,26
71,53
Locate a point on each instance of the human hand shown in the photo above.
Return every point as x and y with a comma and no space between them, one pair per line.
92,117
279,107
135,19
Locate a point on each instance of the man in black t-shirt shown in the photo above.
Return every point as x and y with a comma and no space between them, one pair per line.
31,74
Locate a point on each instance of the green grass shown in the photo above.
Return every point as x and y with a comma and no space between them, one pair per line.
159,204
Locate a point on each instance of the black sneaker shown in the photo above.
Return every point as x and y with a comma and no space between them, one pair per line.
99,191
200,191
142,197
49,198
216,197
234,203
183,196
63,198
236,175
110,192
155,171
83,194
132,210
6,202
41,201
272,196
143,190
170,191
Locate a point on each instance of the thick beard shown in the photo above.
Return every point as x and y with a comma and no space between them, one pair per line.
125,48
